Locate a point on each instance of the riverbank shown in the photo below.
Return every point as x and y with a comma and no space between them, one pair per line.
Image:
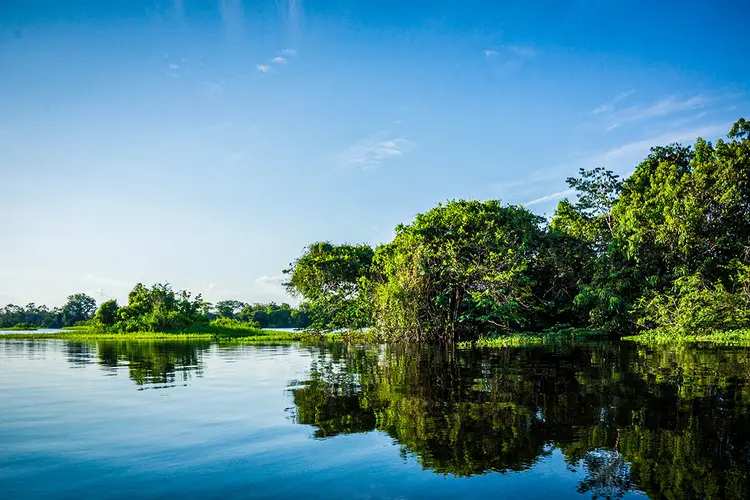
733,337
206,332
254,335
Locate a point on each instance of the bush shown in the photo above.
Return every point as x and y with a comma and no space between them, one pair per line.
695,305
235,324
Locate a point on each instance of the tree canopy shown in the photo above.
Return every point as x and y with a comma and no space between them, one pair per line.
667,248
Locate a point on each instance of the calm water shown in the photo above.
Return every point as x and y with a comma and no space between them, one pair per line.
158,420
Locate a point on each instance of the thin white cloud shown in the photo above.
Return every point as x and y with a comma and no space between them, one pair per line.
620,159
289,52
508,58
232,15
278,60
291,13
173,66
638,112
642,147
550,197
666,106
270,280
371,152
264,68
610,106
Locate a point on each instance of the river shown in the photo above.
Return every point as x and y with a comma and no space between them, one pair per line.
123,419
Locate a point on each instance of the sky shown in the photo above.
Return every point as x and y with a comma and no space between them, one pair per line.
206,143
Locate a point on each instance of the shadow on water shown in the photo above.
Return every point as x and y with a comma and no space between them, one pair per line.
672,422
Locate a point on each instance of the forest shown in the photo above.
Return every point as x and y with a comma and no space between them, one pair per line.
155,309
665,251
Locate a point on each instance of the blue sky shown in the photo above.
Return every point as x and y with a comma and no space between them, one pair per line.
206,143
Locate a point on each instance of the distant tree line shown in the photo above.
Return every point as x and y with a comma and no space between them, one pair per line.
158,308
79,307
666,249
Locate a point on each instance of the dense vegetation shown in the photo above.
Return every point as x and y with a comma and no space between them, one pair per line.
156,309
667,250
79,307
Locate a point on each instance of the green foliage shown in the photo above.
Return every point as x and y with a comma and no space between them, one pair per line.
233,324
457,271
229,308
695,305
156,309
80,307
21,326
333,280
273,315
666,248
159,308
108,313
598,192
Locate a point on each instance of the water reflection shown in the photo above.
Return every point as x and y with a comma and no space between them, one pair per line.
149,364
672,422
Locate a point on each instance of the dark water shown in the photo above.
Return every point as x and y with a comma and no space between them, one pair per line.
187,420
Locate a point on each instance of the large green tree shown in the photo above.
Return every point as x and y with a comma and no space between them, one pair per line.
333,279
460,270
80,307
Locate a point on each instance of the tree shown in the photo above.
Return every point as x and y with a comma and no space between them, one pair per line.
107,315
80,307
229,308
598,191
160,308
333,279
458,271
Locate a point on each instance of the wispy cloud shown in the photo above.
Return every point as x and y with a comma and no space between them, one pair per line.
232,15
642,147
270,280
291,13
550,197
620,159
667,106
610,106
372,151
278,60
509,57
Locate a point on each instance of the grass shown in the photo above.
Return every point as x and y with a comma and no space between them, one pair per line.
20,327
532,338
204,332
731,337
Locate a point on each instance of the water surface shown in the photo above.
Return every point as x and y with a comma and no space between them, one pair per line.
117,419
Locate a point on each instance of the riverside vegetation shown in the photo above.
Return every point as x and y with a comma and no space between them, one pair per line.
158,312
661,255
664,253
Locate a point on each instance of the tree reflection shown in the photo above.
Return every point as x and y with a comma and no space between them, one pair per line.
672,422
154,364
